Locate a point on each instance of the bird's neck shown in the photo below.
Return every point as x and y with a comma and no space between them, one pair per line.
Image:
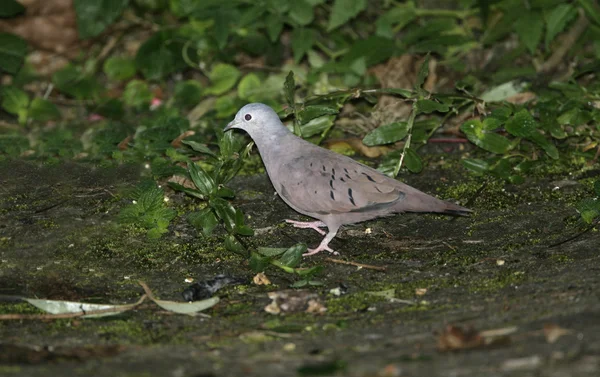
272,144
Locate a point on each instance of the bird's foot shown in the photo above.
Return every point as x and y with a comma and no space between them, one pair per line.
310,225
318,249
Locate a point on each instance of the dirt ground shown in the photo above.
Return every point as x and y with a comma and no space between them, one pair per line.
526,307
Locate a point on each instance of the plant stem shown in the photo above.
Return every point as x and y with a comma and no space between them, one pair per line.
411,122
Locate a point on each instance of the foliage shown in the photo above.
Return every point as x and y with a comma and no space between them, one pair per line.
286,259
148,210
589,208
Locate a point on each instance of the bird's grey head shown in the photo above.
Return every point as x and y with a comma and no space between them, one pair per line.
256,119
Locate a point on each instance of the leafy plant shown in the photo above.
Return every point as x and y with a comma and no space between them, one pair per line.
16,101
210,187
287,260
148,210
589,208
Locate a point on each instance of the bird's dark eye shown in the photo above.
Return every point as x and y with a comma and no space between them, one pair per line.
247,116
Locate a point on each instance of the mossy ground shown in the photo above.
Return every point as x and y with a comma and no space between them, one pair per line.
60,239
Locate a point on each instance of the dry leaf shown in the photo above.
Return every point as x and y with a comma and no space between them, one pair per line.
261,279
553,332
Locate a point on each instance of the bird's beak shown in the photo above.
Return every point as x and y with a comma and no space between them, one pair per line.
231,125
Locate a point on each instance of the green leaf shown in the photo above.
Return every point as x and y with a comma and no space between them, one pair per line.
137,94
259,263
14,100
289,89
43,110
301,12
311,112
204,182
119,68
232,244
293,256
11,8
521,124
302,41
492,142
592,10
427,106
160,55
400,16
224,211
389,133
12,52
188,93
271,251
200,148
94,16
274,26
189,191
204,219
413,161
75,82
249,87
557,19
343,11
476,165
222,26
589,209
310,271
317,125
422,75
223,77
529,27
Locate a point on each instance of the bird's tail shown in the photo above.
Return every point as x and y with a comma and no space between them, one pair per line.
418,201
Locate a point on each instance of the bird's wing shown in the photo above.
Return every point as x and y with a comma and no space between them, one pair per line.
333,184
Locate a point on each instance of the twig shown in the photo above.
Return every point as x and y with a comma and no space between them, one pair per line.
361,265
411,122
576,236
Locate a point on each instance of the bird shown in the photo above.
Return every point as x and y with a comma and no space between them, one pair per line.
331,188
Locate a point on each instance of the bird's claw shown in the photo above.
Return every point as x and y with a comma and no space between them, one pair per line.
308,225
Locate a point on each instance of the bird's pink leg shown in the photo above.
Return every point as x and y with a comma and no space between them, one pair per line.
324,245
308,224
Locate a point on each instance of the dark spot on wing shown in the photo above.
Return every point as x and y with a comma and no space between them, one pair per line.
324,168
347,176
315,191
333,171
342,179
311,164
350,197
377,188
331,194
346,170
331,184
369,177
333,177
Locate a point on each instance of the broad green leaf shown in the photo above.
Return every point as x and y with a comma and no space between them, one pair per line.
225,212
249,87
200,148
589,209
503,91
389,133
14,100
557,19
259,263
223,77
160,55
302,41
592,10
311,112
137,94
94,16
271,251
289,89
422,75
317,125
395,19
427,106
11,8
232,244
521,124
43,110
67,307
188,93
487,140
293,256
413,161
12,52
301,12
119,68
274,26
202,180
343,11
476,165
222,26
204,219
73,81
529,27
189,191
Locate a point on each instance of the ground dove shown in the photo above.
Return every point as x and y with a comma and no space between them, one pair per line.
325,185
